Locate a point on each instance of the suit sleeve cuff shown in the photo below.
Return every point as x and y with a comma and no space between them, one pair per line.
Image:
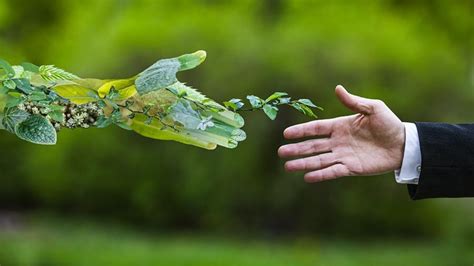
411,165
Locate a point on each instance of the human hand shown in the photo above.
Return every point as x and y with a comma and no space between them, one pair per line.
368,143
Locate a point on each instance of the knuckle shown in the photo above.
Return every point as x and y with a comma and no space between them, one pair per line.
379,103
314,145
311,177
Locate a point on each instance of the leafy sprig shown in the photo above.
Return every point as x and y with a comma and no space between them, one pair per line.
271,103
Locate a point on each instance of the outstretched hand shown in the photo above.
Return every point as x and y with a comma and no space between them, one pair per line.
367,143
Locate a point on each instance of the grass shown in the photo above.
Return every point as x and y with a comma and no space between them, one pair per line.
67,242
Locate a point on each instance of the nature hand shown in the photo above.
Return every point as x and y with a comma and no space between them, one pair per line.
368,143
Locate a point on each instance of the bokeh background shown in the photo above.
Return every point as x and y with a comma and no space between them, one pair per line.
111,197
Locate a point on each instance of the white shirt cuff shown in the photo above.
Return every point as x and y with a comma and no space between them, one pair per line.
411,165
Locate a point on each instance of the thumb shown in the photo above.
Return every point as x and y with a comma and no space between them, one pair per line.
355,103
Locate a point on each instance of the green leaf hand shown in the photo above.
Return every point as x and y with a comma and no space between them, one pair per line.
37,101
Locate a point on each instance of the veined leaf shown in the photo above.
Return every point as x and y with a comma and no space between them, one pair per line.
309,103
163,73
255,101
12,117
183,113
52,73
304,109
9,83
160,75
157,130
76,93
125,87
23,85
271,111
37,129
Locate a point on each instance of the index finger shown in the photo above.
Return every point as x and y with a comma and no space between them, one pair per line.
310,129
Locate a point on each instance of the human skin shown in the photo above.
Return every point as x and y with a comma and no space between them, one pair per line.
369,142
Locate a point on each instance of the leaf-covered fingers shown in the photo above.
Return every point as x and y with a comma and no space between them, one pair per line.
303,148
311,163
38,101
310,129
328,173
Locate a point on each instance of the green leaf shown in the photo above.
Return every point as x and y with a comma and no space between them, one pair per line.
23,85
230,105
163,73
304,109
7,67
55,107
271,111
125,88
76,93
275,96
13,99
52,73
183,113
37,129
234,104
19,71
3,89
37,96
10,84
190,61
284,100
307,102
103,122
30,67
160,75
255,101
12,117
124,125
57,116
157,130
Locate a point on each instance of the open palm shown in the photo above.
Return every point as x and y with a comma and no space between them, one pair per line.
367,143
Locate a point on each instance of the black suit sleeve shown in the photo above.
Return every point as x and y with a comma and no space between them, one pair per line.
447,161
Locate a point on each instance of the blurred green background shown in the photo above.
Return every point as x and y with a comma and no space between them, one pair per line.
112,197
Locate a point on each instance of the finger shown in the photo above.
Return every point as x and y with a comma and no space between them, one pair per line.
311,163
328,173
355,103
310,129
306,147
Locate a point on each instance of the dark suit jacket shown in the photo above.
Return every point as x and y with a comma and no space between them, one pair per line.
447,161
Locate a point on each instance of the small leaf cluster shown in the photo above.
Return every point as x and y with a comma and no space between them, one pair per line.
33,112
271,103
115,117
16,89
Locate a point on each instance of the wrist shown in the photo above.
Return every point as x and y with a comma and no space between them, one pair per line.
401,147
